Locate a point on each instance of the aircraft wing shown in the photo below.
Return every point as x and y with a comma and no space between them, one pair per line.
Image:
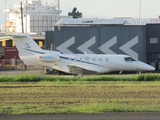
79,70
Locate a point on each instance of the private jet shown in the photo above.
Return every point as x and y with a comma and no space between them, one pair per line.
77,64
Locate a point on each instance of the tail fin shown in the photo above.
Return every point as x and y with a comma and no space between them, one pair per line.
25,44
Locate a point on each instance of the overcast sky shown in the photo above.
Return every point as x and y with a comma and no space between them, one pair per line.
100,8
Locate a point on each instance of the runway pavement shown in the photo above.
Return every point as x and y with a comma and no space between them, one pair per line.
105,116
38,71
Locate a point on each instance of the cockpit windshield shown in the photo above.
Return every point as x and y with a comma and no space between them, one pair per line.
129,59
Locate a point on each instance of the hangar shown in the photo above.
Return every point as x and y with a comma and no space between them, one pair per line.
137,37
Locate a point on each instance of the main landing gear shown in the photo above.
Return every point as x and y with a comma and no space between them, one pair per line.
80,75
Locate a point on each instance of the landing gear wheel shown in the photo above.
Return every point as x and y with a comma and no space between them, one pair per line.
80,75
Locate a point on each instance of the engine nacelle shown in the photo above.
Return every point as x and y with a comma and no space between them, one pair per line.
47,58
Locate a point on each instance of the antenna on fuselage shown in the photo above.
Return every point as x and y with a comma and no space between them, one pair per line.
85,53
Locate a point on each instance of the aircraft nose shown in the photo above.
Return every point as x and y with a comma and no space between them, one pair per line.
146,67
151,68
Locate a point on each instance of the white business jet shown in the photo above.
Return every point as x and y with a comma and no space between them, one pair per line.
77,64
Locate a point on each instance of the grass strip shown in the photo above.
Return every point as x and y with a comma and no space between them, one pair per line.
79,97
33,78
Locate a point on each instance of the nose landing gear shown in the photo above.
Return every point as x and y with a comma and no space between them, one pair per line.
139,72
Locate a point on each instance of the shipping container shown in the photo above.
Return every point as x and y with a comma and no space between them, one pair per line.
1,53
10,52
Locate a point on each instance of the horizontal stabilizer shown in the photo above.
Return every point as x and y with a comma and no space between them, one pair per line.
17,35
5,38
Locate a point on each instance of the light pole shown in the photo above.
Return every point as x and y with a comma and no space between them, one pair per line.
26,15
58,5
140,9
5,17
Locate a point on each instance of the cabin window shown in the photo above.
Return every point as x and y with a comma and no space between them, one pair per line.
81,59
129,59
75,59
94,59
107,60
69,59
86,59
100,59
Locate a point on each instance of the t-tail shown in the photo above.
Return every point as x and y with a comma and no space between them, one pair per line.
25,44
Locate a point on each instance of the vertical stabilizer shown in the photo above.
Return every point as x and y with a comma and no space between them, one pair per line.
25,44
